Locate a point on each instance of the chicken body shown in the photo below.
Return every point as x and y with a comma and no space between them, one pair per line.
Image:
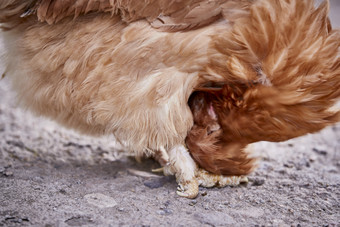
132,77
99,75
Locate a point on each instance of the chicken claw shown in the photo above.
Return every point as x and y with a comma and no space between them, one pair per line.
188,189
209,180
158,170
189,176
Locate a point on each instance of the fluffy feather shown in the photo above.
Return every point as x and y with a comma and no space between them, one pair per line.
281,78
165,15
251,70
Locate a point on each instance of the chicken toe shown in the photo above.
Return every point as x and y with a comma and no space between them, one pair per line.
188,189
209,180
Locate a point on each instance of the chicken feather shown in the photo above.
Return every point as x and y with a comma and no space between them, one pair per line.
212,76
298,83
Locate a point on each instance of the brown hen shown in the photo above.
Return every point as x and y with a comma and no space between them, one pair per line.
161,76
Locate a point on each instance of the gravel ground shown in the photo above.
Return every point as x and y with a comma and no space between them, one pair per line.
51,176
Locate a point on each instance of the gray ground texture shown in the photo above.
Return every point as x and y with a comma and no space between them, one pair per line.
50,176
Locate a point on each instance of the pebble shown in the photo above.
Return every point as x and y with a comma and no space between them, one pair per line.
258,182
8,173
63,191
282,171
204,193
320,150
164,211
313,158
193,202
288,165
167,203
161,212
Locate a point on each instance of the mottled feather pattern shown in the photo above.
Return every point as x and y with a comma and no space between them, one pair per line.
290,75
165,15
210,76
207,142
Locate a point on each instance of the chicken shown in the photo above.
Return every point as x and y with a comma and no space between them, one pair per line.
167,76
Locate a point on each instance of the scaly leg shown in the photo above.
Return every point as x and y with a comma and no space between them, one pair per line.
209,180
178,162
183,166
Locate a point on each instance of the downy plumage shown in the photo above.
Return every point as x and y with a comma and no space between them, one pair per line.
160,75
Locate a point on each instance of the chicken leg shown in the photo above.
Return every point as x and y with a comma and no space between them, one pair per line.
189,176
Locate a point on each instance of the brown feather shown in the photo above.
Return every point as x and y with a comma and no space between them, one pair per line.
281,70
255,70
207,144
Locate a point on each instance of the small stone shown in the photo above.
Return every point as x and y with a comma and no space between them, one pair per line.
220,207
307,185
167,211
161,212
167,203
204,193
258,182
313,158
282,171
288,165
63,191
320,150
25,219
8,173
193,202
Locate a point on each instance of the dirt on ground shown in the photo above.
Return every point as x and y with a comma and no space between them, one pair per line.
51,176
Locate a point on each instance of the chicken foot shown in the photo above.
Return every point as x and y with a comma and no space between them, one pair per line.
189,176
